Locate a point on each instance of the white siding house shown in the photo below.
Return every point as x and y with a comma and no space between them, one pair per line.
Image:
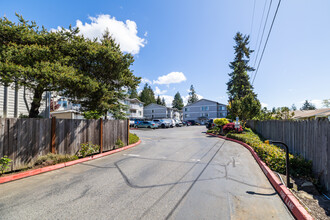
135,108
203,110
13,102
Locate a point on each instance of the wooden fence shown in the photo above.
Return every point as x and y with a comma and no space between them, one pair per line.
24,139
308,138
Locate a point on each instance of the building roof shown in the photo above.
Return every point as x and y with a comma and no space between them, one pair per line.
324,112
134,99
162,106
204,100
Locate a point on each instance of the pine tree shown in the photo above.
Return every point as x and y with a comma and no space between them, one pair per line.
159,101
177,101
192,95
308,106
163,101
147,95
239,84
133,94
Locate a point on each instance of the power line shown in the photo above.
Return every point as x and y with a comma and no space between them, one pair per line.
262,35
262,18
270,30
254,7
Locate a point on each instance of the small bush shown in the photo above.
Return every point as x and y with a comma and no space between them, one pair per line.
221,121
133,138
274,156
231,127
51,159
4,164
119,143
88,149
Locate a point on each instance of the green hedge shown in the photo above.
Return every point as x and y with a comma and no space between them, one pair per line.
133,138
273,155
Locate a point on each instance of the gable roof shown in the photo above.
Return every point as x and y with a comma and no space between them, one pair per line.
323,112
204,100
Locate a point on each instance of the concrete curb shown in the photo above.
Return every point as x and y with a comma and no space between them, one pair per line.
290,201
61,165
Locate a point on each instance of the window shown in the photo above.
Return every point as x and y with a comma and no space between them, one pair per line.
205,108
185,109
152,111
186,115
221,108
205,114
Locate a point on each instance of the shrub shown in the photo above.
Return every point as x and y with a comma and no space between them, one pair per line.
133,138
4,164
119,143
231,127
88,148
51,159
273,155
221,121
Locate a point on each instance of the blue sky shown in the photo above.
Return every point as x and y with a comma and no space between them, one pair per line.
179,43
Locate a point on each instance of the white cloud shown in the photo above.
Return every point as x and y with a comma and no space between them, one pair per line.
146,34
124,33
173,77
263,105
145,80
159,91
168,100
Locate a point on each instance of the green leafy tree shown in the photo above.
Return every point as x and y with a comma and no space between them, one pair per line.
239,84
163,101
147,95
283,113
159,100
308,106
177,101
264,114
326,103
192,95
245,108
90,72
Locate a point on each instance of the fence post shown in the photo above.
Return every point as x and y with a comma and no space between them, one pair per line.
128,131
101,135
53,135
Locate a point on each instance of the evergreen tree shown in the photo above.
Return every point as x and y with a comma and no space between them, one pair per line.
147,95
163,101
293,107
192,95
308,106
133,94
159,101
239,84
177,101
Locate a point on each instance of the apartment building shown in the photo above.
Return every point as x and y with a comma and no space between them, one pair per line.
203,110
155,111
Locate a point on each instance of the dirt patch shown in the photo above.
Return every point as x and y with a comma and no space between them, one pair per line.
308,195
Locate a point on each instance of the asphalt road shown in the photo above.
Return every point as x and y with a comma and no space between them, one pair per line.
178,173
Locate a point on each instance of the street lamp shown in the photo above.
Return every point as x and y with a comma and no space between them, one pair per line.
289,185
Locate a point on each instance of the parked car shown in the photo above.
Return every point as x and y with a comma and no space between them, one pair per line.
161,123
192,122
178,123
186,123
147,124
170,121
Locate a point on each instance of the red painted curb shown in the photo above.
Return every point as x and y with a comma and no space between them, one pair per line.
61,165
291,202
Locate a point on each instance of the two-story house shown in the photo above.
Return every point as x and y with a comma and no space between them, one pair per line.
155,111
204,109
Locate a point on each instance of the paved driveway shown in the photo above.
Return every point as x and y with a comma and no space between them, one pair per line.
178,173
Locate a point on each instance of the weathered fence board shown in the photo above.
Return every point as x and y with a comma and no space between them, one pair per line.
308,138
24,140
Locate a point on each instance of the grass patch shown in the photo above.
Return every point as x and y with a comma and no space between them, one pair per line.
51,159
273,155
133,138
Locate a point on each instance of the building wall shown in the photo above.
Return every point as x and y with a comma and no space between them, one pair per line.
21,107
204,108
155,111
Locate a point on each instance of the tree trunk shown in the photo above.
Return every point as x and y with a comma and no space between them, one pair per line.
35,105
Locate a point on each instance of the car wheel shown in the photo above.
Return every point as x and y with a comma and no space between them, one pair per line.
149,127
163,126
